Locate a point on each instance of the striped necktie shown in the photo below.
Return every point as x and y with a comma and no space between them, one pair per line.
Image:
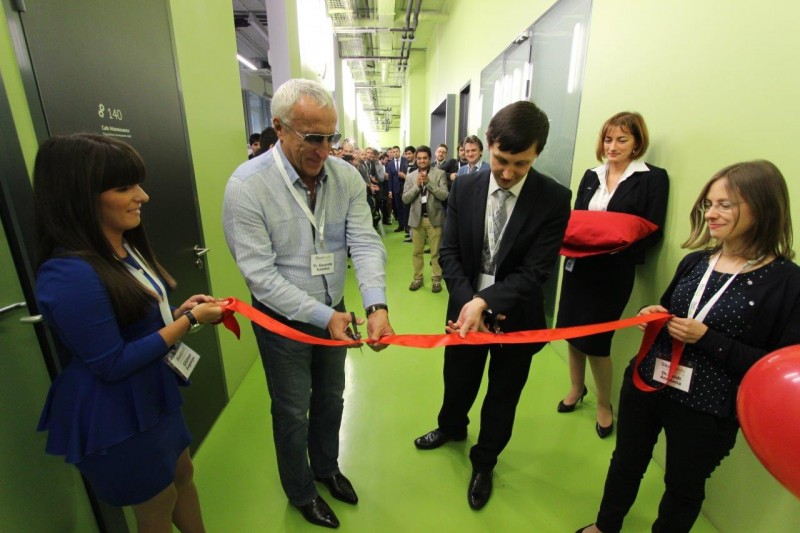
499,219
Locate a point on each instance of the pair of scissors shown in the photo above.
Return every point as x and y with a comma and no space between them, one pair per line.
353,333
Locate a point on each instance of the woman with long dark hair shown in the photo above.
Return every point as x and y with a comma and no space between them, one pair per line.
115,410
735,299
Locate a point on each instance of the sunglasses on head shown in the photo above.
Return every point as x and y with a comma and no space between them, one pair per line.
316,138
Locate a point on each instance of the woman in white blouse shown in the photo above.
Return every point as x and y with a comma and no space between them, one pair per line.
597,288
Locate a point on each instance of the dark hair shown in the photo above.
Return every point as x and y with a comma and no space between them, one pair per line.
254,137
761,185
442,145
395,146
472,139
269,137
410,149
631,123
69,174
517,127
423,148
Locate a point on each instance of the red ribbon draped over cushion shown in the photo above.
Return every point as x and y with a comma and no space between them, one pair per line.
602,232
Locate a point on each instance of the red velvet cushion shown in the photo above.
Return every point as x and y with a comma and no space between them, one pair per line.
603,232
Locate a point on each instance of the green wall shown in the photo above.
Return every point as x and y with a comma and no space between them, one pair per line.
12,82
209,76
716,81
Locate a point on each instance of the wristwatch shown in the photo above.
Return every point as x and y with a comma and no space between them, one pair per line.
194,325
372,308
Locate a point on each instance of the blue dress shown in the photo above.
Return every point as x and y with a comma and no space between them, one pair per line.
115,410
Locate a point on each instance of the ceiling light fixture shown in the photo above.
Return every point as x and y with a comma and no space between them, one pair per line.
245,62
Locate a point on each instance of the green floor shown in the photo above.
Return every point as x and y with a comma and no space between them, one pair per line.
549,478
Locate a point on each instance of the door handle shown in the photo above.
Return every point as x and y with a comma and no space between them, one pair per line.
199,251
33,319
11,307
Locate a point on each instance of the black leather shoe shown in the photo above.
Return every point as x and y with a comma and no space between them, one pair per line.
479,490
340,488
318,513
605,431
399,229
568,408
434,439
584,527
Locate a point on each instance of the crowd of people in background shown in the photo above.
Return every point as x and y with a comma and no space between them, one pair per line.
396,185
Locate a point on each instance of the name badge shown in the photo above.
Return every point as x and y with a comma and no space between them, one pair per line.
681,380
321,264
423,199
182,360
569,264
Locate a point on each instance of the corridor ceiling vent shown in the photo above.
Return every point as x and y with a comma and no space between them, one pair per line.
376,38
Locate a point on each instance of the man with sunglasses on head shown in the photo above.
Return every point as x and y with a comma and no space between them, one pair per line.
289,217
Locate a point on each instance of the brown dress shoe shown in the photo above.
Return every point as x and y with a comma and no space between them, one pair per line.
415,285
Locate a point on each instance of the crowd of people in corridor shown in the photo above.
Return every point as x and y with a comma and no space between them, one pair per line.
308,204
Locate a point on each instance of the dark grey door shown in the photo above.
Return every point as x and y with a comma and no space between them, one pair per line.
109,68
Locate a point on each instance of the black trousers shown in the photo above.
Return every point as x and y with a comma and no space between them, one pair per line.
386,203
696,444
463,371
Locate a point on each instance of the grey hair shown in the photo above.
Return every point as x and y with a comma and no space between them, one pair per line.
351,142
292,91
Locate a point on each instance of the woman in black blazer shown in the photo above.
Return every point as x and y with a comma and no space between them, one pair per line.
597,288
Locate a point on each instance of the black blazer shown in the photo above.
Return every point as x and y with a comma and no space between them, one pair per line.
642,194
449,166
527,253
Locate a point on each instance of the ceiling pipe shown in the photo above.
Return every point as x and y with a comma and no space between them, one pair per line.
405,35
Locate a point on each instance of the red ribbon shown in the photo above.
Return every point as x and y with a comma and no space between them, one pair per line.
655,322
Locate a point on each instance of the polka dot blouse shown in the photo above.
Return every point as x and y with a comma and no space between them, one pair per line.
711,386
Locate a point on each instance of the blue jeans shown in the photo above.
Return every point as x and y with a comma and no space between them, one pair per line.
306,384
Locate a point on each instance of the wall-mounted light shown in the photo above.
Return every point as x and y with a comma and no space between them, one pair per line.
575,58
245,62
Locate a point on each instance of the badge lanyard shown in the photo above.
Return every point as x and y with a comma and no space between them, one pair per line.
153,282
698,293
320,228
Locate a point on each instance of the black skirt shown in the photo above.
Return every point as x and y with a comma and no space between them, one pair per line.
596,290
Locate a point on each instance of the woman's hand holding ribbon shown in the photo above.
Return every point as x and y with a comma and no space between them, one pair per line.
687,330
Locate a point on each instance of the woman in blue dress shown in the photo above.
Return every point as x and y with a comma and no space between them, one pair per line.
115,410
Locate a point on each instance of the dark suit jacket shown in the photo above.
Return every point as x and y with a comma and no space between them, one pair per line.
527,253
448,166
395,182
642,194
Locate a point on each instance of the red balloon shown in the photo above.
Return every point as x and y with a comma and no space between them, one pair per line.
769,411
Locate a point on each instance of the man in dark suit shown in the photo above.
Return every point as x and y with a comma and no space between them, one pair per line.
396,169
447,165
501,240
